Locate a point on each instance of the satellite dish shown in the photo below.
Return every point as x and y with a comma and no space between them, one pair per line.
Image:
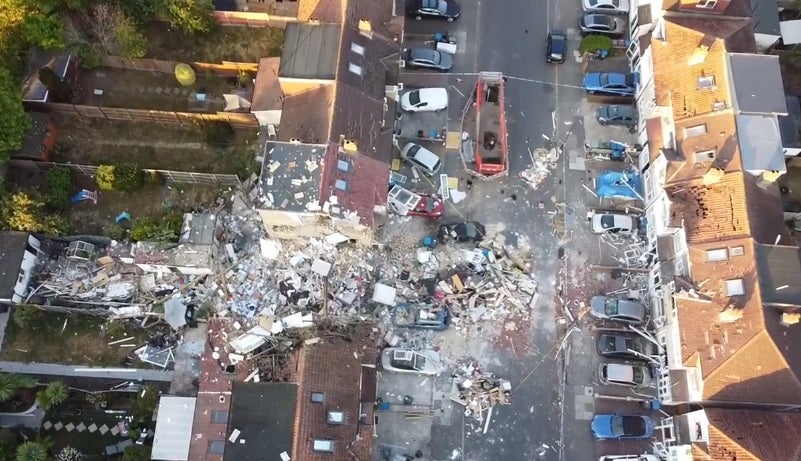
184,74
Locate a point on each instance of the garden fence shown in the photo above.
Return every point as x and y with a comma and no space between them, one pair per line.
237,120
252,19
223,69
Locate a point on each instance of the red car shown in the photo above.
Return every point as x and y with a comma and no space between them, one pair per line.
430,206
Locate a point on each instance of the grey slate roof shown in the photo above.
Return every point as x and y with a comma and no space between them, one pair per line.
264,413
12,249
760,142
779,274
789,124
310,51
757,83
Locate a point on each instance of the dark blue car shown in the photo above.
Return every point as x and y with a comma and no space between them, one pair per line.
609,83
615,427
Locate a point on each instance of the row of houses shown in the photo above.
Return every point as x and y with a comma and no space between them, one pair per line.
726,280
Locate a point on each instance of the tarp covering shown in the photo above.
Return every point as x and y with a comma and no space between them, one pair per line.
175,313
619,185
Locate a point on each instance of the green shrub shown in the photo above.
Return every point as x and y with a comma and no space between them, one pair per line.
219,134
128,177
116,232
592,43
26,316
105,177
59,187
144,229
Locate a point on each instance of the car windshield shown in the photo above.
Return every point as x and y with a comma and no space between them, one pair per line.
430,203
611,306
414,97
413,150
419,362
439,5
604,79
608,221
638,375
617,426
436,58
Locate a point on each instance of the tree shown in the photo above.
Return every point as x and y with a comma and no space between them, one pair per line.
14,122
191,16
60,90
55,393
69,454
114,32
43,29
32,451
24,211
105,177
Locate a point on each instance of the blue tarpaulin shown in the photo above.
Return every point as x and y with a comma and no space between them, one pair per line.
619,185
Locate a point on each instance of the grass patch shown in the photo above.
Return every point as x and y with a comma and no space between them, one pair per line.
239,44
48,339
592,43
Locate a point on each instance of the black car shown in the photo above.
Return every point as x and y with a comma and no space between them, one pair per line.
556,47
625,345
602,24
616,114
468,231
436,9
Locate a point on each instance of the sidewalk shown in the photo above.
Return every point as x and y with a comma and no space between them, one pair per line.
53,369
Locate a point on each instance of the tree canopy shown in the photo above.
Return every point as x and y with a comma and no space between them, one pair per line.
14,122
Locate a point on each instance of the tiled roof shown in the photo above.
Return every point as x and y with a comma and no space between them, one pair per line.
721,7
335,368
748,435
360,189
325,11
690,73
307,115
717,147
711,212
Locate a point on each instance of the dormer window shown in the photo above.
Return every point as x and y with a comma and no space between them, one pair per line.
706,82
704,156
734,287
706,4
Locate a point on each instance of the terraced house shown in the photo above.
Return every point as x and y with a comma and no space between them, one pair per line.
726,277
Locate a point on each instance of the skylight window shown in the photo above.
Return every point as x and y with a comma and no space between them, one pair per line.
317,397
343,165
696,130
708,4
355,69
735,287
720,254
356,48
341,184
706,82
324,446
704,156
335,417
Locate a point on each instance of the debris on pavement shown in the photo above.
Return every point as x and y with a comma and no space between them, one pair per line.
478,392
543,161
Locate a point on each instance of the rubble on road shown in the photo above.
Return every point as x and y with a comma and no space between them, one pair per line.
543,161
478,392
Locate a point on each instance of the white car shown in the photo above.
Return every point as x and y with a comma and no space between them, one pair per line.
628,458
410,361
614,223
427,161
624,374
425,100
606,6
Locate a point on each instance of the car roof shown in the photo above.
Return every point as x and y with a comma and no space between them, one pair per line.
437,94
618,78
623,109
598,18
423,53
426,157
620,372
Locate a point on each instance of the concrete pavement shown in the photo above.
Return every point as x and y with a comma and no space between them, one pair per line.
53,369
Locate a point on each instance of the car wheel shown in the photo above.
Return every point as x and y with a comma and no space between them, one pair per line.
443,70
632,129
418,17
590,91
450,19
602,123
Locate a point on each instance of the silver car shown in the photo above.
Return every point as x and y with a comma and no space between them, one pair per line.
410,361
428,58
427,161
624,374
603,24
619,309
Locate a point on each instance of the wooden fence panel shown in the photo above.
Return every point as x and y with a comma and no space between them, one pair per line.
251,19
236,119
223,69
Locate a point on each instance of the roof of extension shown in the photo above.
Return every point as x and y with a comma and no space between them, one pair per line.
290,176
757,82
690,70
310,51
325,11
264,413
750,435
779,274
760,142
340,388
307,115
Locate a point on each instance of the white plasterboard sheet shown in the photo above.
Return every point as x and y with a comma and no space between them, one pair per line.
173,428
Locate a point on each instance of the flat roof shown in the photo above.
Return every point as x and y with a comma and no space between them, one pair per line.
760,142
264,415
198,229
173,428
12,250
310,51
757,82
789,124
290,176
779,274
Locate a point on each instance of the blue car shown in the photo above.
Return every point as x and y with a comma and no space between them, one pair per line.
615,427
609,83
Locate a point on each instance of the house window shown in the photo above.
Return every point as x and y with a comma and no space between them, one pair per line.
335,417
708,4
735,287
323,446
718,105
355,69
720,254
704,156
693,131
341,184
736,251
356,48
217,446
343,165
317,397
706,82
219,417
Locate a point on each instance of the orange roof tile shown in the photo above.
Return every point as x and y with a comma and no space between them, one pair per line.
717,147
748,435
710,212
690,69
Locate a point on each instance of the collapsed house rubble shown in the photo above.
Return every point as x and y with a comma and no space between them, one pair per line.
479,392
543,161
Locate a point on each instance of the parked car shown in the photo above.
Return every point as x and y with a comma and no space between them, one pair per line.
468,231
435,9
624,374
425,317
410,361
430,207
602,24
427,161
606,6
617,427
625,345
643,457
428,58
615,223
616,114
620,309
556,47
609,83
425,100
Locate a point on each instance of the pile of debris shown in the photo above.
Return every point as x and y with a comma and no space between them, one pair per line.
479,392
543,161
